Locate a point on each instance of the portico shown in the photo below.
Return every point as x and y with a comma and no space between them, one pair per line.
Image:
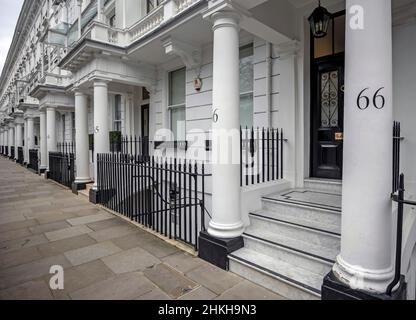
301,201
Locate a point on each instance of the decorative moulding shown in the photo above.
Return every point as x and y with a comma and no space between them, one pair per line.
190,55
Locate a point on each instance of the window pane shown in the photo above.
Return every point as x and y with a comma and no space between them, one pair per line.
246,110
178,123
246,68
323,46
339,37
177,83
117,107
145,94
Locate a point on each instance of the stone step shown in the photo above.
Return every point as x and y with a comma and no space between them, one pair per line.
314,258
324,219
295,231
329,185
276,275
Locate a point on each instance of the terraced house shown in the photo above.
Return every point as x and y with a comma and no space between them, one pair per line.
268,135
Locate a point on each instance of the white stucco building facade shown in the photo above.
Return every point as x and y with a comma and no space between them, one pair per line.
80,71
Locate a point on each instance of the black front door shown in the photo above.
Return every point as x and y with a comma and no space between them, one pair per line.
327,117
145,129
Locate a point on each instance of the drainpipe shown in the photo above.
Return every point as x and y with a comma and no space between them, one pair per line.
269,62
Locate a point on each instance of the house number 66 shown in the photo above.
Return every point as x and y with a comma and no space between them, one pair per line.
363,102
215,116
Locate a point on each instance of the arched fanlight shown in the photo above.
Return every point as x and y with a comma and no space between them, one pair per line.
319,21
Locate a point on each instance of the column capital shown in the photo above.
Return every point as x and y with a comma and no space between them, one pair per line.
287,49
227,10
99,82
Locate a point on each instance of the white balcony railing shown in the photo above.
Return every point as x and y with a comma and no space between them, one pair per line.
167,10
146,24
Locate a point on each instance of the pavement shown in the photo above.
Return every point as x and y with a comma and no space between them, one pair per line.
102,256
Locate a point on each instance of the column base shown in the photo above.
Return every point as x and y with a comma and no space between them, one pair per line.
216,250
94,196
76,186
42,171
333,289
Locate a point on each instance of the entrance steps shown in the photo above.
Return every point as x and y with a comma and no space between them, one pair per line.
292,243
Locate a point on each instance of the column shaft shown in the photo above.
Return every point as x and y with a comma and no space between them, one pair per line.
18,139
43,142
101,129
365,261
25,149
226,219
11,140
81,138
50,131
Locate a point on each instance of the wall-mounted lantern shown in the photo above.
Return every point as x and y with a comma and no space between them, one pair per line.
319,21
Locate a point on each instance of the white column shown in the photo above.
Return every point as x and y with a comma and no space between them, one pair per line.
2,139
100,16
18,139
50,131
79,3
30,134
81,138
226,219
365,261
101,137
43,141
11,139
25,149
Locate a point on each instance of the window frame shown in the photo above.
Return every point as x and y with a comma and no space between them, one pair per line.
116,121
170,106
244,94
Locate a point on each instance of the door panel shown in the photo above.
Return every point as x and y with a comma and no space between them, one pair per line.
145,129
327,117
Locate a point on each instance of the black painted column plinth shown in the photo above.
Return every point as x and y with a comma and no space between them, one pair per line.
78,186
216,250
333,289
41,171
94,196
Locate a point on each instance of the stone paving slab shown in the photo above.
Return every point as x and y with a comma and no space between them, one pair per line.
91,253
125,286
136,259
67,233
103,256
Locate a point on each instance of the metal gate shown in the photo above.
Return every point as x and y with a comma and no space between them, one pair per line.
166,195
62,168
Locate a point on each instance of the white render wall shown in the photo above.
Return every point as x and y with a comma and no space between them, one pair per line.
404,98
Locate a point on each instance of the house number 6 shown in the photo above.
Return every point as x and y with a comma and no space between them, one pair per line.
363,102
215,116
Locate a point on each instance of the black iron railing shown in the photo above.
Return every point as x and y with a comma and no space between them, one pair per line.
11,152
62,168
261,155
130,145
34,160
66,147
400,200
20,157
167,196
1,150
396,156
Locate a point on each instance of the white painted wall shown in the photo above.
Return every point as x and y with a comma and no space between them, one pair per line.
404,98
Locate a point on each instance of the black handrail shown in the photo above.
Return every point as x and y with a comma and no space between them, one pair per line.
399,198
